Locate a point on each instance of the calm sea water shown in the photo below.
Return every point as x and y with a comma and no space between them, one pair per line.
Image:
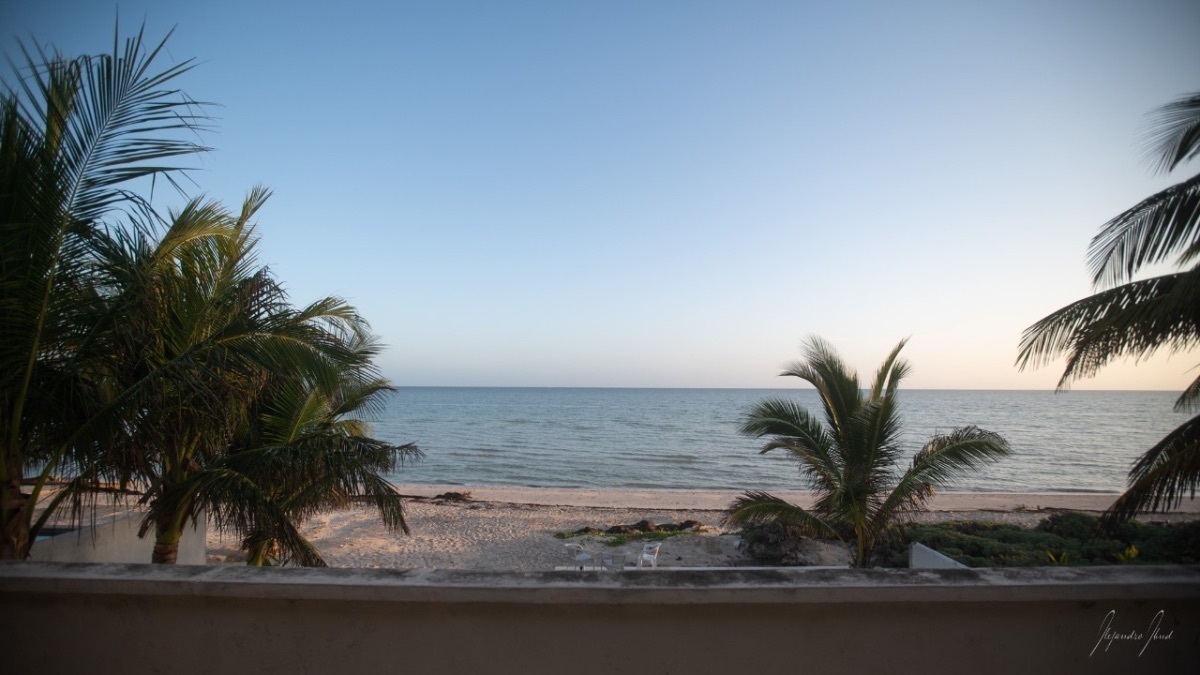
1078,441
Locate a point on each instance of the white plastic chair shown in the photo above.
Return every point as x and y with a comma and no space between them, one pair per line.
583,560
649,554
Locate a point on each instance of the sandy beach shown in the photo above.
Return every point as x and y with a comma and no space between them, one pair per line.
514,528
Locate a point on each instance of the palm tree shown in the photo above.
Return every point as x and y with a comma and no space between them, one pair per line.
308,451
197,330
129,358
73,134
852,460
1138,317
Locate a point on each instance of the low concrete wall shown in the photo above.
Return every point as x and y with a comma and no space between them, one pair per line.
137,618
115,540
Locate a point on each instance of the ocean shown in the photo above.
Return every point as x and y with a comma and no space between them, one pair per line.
1077,441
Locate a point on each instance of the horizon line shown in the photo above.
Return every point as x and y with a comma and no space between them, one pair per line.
803,387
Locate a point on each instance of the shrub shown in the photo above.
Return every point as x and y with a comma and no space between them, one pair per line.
1070,525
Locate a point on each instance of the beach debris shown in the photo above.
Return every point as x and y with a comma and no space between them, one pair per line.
644,527
454,497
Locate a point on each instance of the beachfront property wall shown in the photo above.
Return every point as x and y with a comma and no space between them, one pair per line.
115,540
216,619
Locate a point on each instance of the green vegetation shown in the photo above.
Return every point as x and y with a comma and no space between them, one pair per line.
1135,318
153,353
1129,555
73,134
1067,538
852,459
623,538
643,530
305,446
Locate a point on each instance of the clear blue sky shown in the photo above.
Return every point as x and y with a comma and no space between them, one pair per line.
668,193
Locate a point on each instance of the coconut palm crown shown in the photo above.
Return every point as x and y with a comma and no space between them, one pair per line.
203,345
75,135
310,450
1136,317
852,459
135,349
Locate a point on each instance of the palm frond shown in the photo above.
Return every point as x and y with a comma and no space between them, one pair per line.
1134,319
944,458
1138,318
1162,476
231,501
254,201
890,373
74,132
872,436
293,411
1188,400
1174,134
127,118
326,472
367,399
315,458
760,507
947,456
783,417
1165,224
1159,227
836,384
794,429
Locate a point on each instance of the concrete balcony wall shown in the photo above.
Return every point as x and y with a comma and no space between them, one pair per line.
137,618
115,540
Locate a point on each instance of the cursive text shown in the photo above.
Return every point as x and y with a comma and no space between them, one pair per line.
1152,634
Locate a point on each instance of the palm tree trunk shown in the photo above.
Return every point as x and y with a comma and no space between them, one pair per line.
166,540
166,547
256,554
16,504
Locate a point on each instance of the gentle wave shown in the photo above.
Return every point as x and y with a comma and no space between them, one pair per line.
1077,442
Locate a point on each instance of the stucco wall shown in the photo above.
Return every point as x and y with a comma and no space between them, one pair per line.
133,618
115,540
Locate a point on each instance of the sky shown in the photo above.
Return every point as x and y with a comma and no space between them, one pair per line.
677,193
